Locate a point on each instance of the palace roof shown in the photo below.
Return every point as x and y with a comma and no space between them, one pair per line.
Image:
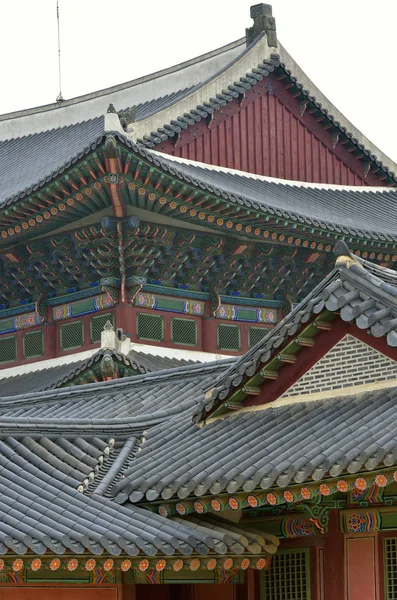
90,453
340,209
161,106
86,370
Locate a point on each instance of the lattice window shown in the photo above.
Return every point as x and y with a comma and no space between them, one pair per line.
33,344
184,332
97,324
8,349
72,335
255,335
390,560
288,577
229,337
150,327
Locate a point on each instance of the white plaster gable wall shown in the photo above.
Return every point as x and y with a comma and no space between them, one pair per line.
123,96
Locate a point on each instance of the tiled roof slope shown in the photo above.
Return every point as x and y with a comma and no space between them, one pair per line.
286,444
260,449
361,292
41,509
45,467
116,400
63,375
169,101
341,209
26,161
104,424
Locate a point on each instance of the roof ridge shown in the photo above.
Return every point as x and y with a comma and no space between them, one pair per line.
184,371
125,85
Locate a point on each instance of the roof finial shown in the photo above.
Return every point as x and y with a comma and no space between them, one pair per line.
264,22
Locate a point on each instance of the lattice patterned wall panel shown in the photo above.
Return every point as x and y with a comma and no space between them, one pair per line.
72,335
8,349
33,344
255,335
97,324
150,327
390,561
349,363
288,577
184,332
229,337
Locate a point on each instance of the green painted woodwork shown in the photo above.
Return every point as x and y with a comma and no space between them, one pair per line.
184,332
8,349
6,325
150,327
229,337
233,312
177,305
82,307
72,335
33,344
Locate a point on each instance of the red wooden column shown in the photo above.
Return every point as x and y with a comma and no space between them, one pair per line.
253,585
124,318
334,561
362,575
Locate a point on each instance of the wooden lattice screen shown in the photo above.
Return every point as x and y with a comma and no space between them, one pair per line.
229,337
33,344
72,335
288,577
8,349
150,327
390,561
184,332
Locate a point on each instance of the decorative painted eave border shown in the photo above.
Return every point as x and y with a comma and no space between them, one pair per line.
183,197
14,564
51,201
204,296
51,176
294,494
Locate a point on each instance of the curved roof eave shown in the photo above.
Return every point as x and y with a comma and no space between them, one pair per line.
246,189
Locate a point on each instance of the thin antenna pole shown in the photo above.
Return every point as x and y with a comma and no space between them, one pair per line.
59,97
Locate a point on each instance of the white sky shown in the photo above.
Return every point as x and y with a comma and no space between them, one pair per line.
347,47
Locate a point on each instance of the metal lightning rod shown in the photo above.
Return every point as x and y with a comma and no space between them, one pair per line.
59,97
